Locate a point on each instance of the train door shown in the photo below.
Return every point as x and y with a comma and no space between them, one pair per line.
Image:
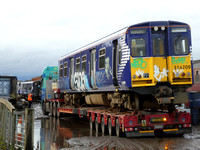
159,43
71,77
115,48
93,68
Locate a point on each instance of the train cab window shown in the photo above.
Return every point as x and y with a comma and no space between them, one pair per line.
158,46
181,45
50,77
61,70
102,53
84,60
78,69
138,47
65,69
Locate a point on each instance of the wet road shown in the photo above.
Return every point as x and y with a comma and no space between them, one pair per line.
72,133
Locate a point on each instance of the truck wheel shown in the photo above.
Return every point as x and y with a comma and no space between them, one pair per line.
119,132
104,128
54,109
58,106
97,125
91,124
111,129
51,108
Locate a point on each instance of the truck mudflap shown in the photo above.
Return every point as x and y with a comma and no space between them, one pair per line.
130,133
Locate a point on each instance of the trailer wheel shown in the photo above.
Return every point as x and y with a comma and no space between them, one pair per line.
104,128
119,132
111,130
51,108
91,124
58,106
54,109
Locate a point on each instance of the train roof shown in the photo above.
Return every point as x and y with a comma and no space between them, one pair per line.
93,44
121,32
47,68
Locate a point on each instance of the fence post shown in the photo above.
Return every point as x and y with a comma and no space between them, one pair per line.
13,130
29,128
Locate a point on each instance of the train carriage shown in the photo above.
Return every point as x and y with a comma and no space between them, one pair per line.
147,65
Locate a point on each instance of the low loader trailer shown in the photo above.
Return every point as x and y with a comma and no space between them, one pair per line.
128,123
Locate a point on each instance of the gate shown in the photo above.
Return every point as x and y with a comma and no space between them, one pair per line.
16,127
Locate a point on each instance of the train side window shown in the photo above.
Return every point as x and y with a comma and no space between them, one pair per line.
181,45
65,69
138,47
102,54
120,55
78,65
84,63
158,46
61,70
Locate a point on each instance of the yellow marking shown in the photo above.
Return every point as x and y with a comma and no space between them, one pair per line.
150,131
166,130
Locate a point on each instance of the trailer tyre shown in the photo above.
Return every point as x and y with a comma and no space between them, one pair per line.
119,132
111,130
104,128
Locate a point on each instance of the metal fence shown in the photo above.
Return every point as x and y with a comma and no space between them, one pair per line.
16,127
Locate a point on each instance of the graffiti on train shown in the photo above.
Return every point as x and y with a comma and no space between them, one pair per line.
79,81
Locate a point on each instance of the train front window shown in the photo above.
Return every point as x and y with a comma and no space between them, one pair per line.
181,45
138,47
158,46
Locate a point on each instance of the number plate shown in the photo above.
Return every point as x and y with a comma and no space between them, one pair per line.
160,126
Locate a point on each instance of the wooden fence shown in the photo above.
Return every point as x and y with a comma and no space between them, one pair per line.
16,127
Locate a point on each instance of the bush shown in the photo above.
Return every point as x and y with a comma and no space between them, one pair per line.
2,145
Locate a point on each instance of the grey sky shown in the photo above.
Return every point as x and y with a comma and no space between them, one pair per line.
34,34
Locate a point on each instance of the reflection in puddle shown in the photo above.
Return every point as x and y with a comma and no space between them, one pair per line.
53,132
73,133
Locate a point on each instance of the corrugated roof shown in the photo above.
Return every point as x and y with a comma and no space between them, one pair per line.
196,61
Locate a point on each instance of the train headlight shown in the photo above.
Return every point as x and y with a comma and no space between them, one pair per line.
164,119
177,74
188,74
156,28
134,76
183,74
162,28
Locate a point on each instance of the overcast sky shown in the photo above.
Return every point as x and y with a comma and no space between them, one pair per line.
35,34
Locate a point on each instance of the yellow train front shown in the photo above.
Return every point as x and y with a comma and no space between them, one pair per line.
160,60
